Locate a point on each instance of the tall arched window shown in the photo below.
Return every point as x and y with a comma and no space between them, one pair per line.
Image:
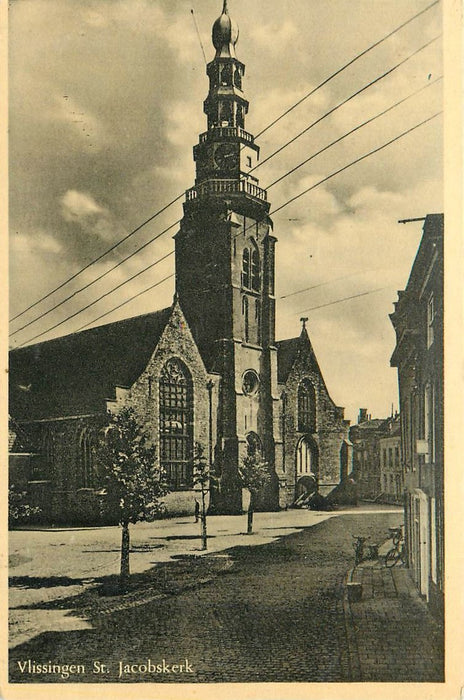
237,78
239,117
246,268
176,423
86,461
251,274
255,276
48,448
246,318
258,318
306,408
304,459
226,74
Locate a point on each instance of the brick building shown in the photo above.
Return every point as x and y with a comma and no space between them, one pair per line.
207,369
391,469
418,355
367,454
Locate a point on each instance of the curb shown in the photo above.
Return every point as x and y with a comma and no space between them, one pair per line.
352,644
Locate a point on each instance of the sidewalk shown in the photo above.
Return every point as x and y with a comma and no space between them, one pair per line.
391,634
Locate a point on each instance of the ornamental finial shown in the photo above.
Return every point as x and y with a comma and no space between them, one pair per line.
303,323
225,34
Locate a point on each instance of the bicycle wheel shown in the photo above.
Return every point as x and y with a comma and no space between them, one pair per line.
392,557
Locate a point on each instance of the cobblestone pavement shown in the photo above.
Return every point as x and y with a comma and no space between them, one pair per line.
392,635
276,612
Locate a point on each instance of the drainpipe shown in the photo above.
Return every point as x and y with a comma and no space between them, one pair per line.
209,386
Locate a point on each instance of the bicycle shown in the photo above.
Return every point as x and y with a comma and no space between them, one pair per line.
397,552
360,547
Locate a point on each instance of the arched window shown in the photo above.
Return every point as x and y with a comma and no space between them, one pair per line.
239,117
176,423
237,78
226,74
48,448
246,268
304,459
306,408
258,317
254,445
246,318
255,276
226,114
86,461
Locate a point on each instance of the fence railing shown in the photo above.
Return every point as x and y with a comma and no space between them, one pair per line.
226,132
225,186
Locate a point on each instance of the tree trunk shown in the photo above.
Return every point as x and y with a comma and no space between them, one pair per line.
125,547
251,509
204,535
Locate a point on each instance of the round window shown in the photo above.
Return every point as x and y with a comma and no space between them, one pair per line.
250,382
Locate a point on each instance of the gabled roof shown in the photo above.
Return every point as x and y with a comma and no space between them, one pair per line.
289,350
75,374
372,424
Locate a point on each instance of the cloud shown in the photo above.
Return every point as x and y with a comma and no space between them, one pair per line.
279,35
78,206
82,209
21,243
132,71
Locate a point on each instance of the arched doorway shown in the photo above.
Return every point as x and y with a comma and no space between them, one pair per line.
306,467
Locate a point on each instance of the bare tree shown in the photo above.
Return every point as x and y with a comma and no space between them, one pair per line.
254,474
203,478
133,483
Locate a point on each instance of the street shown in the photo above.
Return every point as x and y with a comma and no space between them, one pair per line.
267,607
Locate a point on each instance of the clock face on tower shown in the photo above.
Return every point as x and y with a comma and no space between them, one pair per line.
225,156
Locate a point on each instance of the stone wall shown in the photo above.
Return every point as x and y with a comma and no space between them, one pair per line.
326,441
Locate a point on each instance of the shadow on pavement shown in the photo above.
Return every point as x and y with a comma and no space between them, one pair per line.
44,581
260,607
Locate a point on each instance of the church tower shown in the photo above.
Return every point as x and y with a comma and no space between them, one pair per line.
225,277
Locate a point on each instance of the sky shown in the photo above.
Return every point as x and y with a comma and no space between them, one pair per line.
105,105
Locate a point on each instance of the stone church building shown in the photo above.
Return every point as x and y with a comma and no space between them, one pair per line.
207,369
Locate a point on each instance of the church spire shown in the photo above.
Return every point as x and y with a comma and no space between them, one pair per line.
226,153
225,34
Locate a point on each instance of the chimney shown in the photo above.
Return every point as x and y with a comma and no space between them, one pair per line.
362,418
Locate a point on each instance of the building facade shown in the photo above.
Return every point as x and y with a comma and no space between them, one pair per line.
209,368
418,355
367,454
391,470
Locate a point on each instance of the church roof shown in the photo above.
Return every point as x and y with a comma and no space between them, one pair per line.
288,351
75,374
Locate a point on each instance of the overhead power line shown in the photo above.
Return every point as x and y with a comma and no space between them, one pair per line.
269,126
97,279
103,296
352,131
323,284
347,65
139,294
282,206
354,162
339,301
92,262
344,102
289,172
